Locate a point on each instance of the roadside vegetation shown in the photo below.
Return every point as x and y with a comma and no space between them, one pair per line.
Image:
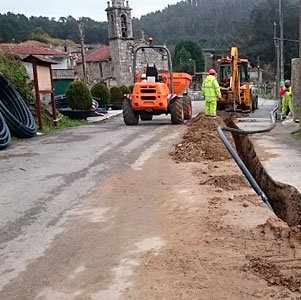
297,136
267,96
64,122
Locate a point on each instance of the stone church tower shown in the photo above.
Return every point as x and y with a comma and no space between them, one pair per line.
121,40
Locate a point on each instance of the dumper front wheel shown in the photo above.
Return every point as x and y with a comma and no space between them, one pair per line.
176,111
129,115
187,108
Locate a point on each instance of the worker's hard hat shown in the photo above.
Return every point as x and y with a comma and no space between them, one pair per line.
212,72
287,82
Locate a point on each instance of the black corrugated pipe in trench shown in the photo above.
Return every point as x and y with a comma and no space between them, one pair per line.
239,161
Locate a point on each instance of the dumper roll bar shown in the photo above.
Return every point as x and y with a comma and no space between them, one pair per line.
169,62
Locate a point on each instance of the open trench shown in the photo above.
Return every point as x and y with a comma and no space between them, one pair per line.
284,199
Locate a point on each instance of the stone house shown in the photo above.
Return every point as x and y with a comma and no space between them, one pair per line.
62,68
98,65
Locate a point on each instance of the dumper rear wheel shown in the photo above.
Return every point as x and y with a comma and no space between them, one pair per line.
176,111
130,117
187,108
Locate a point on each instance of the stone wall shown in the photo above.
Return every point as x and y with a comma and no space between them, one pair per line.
96,71
295,85
121,53
151,56
63,74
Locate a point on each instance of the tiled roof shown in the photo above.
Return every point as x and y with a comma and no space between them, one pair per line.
37,43
99,54
24,49
42,58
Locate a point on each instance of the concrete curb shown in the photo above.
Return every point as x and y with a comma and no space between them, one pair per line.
111,114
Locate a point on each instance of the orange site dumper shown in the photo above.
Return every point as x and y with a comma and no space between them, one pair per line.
158,92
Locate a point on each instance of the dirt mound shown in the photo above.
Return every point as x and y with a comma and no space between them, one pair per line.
226,182
274,274
201,141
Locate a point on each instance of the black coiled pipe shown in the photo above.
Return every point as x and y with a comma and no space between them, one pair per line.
239,161
4,133
15,111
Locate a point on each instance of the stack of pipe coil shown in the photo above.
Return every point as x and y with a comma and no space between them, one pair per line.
15,117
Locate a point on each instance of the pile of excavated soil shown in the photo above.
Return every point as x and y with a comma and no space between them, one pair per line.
201,141
283,267
226,182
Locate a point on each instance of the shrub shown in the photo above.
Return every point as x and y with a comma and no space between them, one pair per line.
14,71
101,92
131,87
79,96
125,90
116,95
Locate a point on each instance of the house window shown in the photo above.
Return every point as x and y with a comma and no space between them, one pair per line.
100,70
112,25
124,28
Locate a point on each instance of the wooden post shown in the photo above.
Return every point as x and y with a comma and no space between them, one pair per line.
281,44
82,43
276,43
53,104
38,98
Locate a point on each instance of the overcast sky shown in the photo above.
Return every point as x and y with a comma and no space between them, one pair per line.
77,8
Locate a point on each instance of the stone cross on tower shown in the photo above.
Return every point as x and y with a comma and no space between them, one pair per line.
121,40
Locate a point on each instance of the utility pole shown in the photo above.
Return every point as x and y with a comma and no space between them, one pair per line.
194,66
299,88
281,44
276,44
258,71
82,43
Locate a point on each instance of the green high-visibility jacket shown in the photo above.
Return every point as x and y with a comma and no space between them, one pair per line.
211,89
288,94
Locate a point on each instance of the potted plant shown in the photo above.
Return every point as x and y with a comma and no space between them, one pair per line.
79,99
101,94
116,98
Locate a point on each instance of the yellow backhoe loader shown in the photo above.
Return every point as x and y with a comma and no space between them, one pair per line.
238,94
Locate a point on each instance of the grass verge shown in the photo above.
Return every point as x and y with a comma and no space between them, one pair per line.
64,122
297,136
267,96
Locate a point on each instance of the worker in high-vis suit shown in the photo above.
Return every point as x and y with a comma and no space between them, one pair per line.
287,99
212,93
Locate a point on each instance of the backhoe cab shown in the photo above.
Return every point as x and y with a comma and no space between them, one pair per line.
157,92
237,92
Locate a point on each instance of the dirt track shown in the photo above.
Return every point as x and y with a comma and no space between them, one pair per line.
132,223
225,245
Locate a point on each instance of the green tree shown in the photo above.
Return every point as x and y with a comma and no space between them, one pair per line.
195,53
183,62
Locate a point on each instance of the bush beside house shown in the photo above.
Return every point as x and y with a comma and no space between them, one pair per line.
125,90
14,71
116,95
102,93
79,96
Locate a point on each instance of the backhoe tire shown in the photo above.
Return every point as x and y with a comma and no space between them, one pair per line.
146,117
187,108
129,116
176,111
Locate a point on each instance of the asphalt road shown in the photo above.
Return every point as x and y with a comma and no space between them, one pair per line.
76,207
70,197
